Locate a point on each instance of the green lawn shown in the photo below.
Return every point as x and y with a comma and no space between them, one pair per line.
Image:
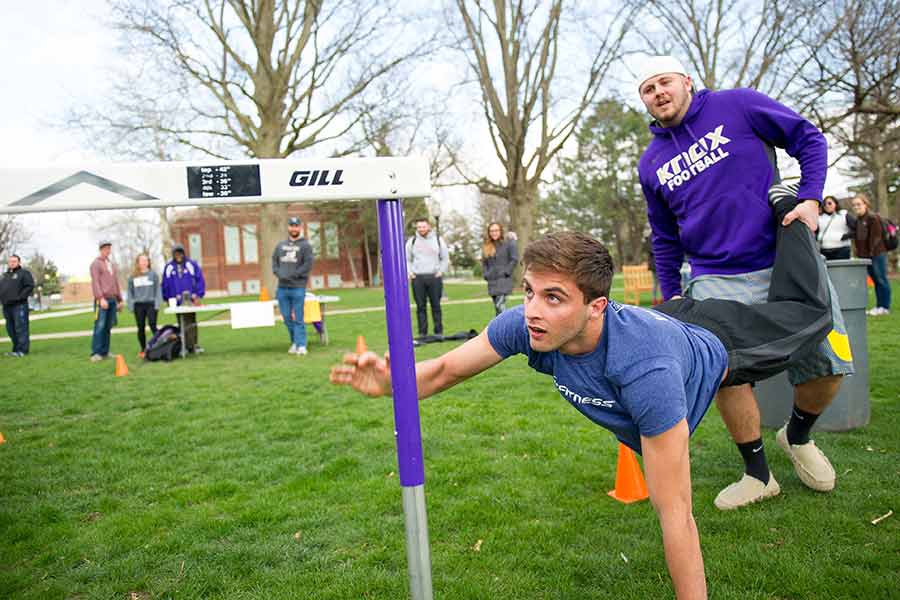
244,474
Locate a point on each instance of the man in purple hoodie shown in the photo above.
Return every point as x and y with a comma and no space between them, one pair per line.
705,177
183,280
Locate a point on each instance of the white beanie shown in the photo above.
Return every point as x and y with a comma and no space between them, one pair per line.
657,65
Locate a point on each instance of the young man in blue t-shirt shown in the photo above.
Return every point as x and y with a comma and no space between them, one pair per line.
647,376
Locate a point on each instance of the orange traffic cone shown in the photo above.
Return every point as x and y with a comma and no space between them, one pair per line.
121,367
361,344
630,484
264,295
2,439
869,282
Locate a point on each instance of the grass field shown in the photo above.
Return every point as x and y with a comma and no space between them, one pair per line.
244,474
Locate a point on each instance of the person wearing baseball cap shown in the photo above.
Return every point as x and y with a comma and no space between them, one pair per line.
292,260
706,177
107,300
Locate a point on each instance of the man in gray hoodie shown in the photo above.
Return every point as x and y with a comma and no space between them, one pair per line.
292,261
427,260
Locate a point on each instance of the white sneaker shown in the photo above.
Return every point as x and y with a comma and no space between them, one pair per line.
292,349
883,311
877,311
96,357
301,350
746,490
810,463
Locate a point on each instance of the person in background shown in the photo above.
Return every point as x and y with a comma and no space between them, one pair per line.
835,230
144,298
869,243
16,287
183,280
427,260
292,260
499,257
107,301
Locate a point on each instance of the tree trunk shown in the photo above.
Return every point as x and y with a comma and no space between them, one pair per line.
353,271
620,245
372,273
879,170
165,233
272,226
523,196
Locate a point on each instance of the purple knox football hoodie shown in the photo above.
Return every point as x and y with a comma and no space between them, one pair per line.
706,182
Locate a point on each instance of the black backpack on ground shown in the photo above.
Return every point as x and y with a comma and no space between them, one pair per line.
164,345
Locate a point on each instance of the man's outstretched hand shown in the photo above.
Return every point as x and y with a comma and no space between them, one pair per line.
364,372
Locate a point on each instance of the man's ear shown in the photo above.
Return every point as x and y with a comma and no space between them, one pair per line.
598,306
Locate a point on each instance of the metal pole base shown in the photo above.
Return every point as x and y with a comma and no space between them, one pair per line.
417,551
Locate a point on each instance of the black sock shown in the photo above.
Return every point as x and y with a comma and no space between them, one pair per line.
799,425
755,464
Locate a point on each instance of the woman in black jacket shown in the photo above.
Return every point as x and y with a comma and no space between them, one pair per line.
498,260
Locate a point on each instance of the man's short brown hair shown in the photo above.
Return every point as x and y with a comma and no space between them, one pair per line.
576,254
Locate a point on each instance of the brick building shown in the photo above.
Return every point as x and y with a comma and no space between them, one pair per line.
77,289
226,245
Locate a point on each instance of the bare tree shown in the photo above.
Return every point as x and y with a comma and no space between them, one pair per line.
531,110
873,145
12,235
132,232
853,83
269,78
760,44
857,69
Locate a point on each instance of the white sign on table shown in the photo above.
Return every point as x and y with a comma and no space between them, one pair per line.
252,314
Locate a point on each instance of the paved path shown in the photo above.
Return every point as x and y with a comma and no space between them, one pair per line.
34,316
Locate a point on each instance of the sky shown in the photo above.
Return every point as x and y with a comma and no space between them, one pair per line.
57,54
52,53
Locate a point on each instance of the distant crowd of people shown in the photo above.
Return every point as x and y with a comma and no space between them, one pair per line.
867,233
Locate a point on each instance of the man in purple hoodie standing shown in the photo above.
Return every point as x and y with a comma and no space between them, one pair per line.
183,280
706,177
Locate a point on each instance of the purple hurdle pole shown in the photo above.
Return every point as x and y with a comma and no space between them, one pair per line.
406,397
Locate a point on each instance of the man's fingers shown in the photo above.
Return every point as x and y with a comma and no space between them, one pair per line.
341,374
790,217
794,215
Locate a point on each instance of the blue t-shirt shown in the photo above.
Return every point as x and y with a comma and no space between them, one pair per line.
647,373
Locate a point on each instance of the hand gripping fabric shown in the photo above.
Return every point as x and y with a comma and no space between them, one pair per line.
764,339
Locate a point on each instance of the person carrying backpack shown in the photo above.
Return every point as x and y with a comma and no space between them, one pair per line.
426,262
870,242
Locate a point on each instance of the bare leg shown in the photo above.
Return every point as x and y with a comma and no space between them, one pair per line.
815,396
739,410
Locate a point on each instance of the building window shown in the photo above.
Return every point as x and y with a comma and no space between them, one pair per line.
314,236
235,288
332,250
195,248
232,245
251,247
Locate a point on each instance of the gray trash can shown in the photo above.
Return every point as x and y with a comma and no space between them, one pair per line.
850,408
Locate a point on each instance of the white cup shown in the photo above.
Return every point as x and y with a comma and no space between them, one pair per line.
173,302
